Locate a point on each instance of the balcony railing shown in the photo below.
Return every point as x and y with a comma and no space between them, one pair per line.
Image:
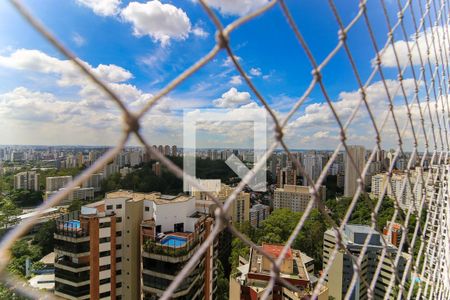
71,264
72,276
155,247
71,225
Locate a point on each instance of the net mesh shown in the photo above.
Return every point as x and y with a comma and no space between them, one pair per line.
426,112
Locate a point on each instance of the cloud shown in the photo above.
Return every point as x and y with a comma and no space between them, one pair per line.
200,32
161,22
236,80
227,62
68,75
236,7
255,72
102,7
78,39
232,98
401,47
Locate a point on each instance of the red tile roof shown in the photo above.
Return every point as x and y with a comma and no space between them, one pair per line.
275,250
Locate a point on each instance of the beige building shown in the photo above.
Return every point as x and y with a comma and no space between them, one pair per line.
295,197
130,246
26,181
252,277
56,183
240,209
77,193
409,196
341,271
358,153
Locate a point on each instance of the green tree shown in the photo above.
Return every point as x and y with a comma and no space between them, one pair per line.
222,283
20,251
44,237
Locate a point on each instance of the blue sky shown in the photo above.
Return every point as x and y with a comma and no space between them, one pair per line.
143,45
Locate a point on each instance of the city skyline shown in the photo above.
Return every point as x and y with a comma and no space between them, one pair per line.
45,100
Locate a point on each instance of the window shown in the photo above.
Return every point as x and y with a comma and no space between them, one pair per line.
119,206
118,259
105,253
118,246
118,285
105,240
178,227
119,233
105,225
119,272
106,267
118,219
147,208
109,207
106,280
158,229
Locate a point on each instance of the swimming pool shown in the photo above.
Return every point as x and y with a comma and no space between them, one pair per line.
72,224
174,241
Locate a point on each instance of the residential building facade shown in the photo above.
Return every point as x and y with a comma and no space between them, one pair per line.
295,197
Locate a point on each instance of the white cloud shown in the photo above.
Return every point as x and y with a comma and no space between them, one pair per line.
255,71
68,75
232,98
200,32
401,47
236,7
161,22
78,39
227,62
236,80
102,7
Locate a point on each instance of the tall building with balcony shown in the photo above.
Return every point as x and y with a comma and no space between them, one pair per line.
169,240
252,278
108,251
28,180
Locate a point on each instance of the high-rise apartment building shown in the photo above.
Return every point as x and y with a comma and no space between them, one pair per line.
28,180
131,246
175,151
94,181
258,213
352,171
77,193
295,197
312,164
407,192
239,211
167,150
253,277
341,272
286,176
56,183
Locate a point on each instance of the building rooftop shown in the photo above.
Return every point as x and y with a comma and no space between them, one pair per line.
275,250
157,197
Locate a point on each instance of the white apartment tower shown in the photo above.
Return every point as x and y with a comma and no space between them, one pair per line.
26,181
